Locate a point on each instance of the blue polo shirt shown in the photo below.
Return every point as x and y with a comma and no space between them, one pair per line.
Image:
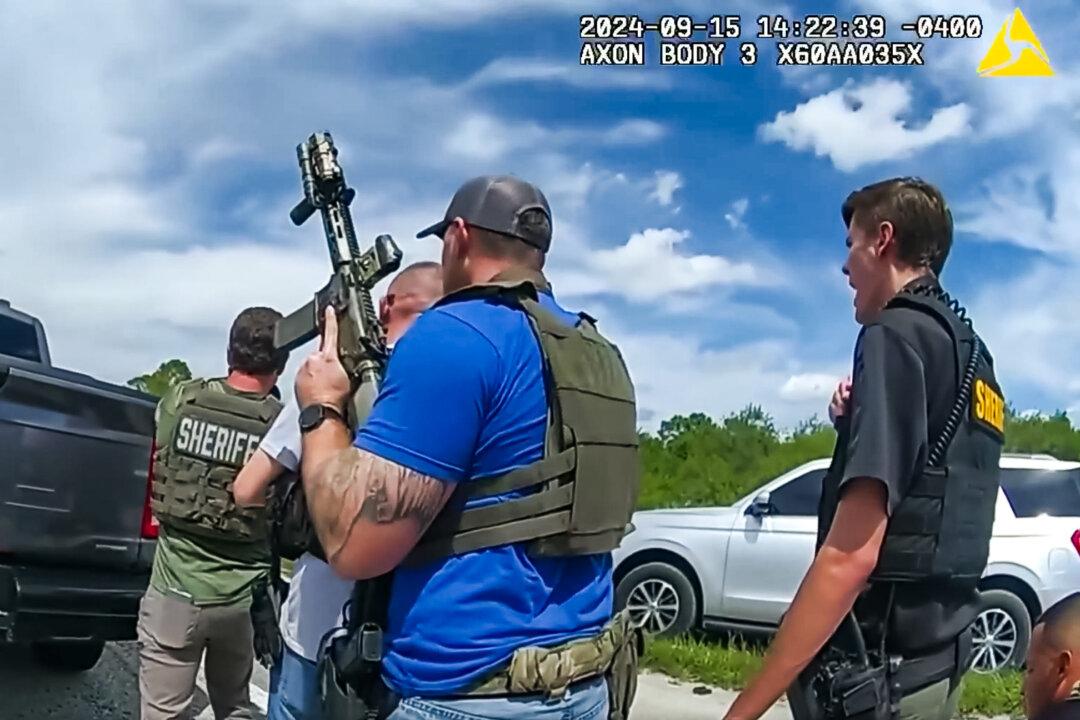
463,399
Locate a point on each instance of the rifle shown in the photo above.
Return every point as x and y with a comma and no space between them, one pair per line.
361,343
361,349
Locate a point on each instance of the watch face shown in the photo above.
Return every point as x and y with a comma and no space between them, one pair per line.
311,416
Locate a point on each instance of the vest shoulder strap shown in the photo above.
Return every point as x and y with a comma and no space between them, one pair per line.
953,320
519,287
210,394
188,390
947,312
514,283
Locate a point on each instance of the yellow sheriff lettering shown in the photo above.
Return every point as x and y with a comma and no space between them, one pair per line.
989,406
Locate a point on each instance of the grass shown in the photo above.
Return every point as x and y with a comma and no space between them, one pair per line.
730,664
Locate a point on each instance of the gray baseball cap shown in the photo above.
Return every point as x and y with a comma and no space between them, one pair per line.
496,203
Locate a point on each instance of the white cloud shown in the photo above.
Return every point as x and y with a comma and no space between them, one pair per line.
650,267
678,375
221,149
486,138
482,137
734,216
667,182
1025,325
1029,335
859,125
113,315
808,79
1031,206
808,386
510,70
1001,106
634,132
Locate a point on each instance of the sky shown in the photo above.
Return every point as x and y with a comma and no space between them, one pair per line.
149,157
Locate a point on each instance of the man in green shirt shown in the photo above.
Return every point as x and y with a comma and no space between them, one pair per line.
209,551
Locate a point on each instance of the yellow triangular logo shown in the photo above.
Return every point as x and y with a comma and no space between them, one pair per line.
1015,52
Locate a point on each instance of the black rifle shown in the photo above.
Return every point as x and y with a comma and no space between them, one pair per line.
361,348
361,343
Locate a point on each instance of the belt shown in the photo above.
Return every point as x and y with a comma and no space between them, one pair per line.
500,685
551,670
918,672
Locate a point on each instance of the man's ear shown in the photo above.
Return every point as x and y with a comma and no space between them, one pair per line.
460,238
1064,664
884,237
384,308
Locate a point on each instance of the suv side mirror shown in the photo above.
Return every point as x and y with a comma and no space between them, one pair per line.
760,505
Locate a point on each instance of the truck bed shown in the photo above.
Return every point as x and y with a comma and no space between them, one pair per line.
75,539
74,460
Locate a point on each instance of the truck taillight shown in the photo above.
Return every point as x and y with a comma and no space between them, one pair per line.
149,522
1076,541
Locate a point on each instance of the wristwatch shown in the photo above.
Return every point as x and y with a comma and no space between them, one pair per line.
313,416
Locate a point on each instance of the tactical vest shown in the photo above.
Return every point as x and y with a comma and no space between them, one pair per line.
584,489
941,528
214,435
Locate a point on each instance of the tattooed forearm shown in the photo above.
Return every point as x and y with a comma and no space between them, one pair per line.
357,485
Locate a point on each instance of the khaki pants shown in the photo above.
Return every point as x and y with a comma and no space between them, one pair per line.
172,637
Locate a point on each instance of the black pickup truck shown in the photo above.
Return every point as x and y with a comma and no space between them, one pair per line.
76,534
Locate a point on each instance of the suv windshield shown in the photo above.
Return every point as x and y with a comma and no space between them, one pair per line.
1042,492
18,339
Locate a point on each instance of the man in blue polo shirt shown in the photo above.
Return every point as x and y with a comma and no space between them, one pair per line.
463,399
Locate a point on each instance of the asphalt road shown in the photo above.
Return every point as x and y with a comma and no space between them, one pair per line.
110,692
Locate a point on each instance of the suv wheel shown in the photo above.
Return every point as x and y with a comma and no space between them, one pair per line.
68,655
1001,632
660,598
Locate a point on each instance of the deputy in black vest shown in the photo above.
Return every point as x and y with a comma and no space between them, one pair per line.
880,625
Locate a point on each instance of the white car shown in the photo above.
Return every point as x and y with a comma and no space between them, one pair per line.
738,567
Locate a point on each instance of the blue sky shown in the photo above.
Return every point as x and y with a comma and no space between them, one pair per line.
150,168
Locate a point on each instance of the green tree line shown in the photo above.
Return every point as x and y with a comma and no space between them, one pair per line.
695,460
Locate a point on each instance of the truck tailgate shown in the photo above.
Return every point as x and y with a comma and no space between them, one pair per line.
74,458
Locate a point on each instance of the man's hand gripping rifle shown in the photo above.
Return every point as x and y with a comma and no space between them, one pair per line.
361,344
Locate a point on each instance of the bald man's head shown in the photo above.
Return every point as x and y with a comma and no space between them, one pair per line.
411,292
1062,622
1053,662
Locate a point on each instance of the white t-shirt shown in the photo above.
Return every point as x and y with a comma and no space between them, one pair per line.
316,593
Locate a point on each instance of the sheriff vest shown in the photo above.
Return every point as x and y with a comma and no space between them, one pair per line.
215,443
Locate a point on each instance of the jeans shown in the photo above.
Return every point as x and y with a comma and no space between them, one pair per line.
586,700
294,689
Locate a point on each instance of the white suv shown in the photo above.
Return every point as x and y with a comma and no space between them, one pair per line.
738,567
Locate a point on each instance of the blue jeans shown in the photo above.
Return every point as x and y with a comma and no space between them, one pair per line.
584,701
294,689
